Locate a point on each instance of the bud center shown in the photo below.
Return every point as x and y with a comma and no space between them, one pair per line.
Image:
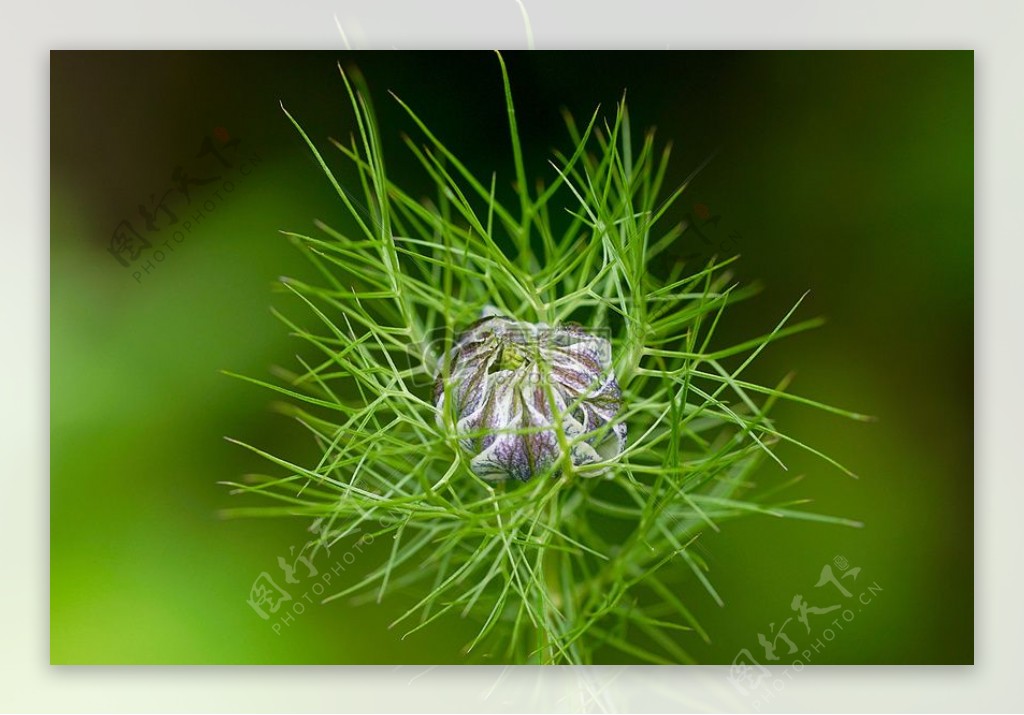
511,357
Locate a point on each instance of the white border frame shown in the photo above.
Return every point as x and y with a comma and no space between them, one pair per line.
992,29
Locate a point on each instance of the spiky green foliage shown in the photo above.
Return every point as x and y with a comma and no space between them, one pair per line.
567,569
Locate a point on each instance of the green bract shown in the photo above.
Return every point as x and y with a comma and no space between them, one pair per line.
601,323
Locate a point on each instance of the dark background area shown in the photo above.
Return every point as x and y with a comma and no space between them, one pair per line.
846,174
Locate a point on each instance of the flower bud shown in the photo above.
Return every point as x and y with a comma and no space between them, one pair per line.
511,383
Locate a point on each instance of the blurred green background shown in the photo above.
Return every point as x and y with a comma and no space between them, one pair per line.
849,174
